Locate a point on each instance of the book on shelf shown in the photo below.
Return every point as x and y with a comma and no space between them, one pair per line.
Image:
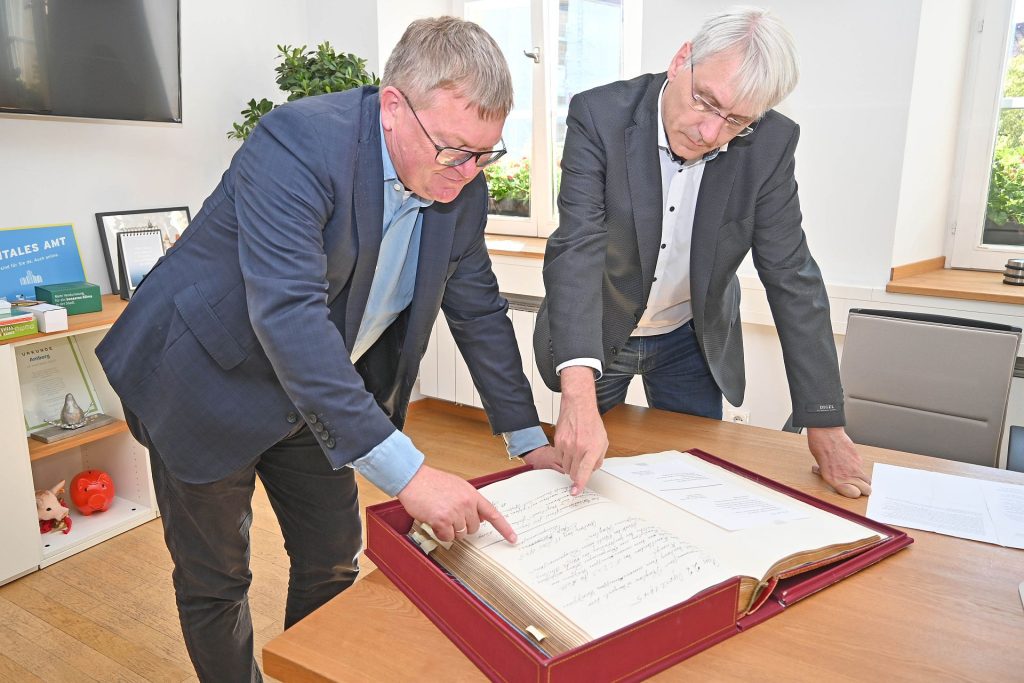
649,532
17,323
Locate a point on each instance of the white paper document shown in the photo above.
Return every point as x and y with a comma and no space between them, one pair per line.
976,509
709,497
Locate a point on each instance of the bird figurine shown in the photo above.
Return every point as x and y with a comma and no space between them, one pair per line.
71,415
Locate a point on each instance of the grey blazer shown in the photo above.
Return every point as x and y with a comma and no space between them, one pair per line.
246,325
599,263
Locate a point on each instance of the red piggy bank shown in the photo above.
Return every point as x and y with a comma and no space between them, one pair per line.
92,491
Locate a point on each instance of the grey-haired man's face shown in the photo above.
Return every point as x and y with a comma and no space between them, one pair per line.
692,134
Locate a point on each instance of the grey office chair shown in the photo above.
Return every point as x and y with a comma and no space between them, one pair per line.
928,384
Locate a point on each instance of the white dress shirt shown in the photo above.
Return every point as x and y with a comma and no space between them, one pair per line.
668,305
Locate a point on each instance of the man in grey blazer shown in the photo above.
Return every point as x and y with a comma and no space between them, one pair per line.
668,181
282,334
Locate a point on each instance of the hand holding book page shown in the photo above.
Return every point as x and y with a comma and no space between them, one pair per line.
588,565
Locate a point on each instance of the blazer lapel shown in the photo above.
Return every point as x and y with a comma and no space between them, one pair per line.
368,200
643,171
715,187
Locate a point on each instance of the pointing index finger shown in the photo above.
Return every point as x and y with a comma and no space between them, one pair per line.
582,474
490,514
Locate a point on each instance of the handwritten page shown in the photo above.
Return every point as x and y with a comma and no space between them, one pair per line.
592,559
710,497
975,509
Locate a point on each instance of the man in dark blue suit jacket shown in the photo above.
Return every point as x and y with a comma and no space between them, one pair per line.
282,334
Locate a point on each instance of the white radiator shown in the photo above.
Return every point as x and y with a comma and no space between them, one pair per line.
444,374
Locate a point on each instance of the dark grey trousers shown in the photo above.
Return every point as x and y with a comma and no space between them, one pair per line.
206,528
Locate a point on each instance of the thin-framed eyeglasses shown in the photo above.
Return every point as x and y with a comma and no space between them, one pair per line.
456,156
739,128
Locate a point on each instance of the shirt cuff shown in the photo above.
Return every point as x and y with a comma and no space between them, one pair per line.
391,464
588,362
523,441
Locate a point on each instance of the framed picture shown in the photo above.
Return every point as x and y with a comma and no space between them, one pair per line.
39,255
49,371
170,222
137,253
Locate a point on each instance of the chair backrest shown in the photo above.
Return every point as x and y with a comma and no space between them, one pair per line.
928,384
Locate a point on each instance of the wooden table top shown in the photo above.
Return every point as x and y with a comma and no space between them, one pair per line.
942,609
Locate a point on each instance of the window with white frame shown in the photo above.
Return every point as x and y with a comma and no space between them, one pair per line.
990,217
555,49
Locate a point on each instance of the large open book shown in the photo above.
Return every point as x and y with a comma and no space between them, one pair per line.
650,532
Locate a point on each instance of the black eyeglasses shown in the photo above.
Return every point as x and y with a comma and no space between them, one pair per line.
456,156
739,128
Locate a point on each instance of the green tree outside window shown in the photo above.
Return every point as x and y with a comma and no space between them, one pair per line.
1005,213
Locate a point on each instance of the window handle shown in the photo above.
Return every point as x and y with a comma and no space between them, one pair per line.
534,55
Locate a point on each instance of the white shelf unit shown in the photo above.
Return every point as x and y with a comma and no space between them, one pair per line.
26,466
127,463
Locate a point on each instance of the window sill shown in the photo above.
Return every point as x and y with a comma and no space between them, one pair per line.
510,245
931,278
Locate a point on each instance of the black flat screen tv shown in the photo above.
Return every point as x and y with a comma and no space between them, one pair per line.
106,59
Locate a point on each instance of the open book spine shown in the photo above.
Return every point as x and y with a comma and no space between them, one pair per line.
797,565
523,609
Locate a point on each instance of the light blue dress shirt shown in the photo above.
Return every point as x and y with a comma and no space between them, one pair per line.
395,460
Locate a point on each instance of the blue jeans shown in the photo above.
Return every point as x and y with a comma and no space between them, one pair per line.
676,376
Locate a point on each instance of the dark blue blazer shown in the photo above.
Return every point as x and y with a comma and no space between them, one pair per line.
246,325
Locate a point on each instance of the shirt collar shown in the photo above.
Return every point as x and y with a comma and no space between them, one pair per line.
389,167
663,138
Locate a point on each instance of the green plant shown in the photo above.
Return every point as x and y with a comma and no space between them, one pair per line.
509,180
1006,188
303,74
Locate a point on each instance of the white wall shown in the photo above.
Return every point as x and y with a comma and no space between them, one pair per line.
923,219
348,26
394,15
59,170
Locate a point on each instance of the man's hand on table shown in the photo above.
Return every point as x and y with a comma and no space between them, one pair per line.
839,464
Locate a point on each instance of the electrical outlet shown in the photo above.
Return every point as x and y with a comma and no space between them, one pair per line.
738,415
